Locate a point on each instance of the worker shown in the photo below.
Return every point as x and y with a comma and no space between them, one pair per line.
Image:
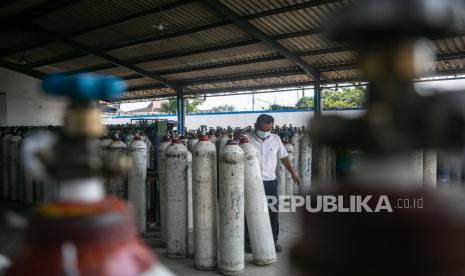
270,148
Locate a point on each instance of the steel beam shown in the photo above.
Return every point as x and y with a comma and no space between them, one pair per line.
244,24
20,69
90,51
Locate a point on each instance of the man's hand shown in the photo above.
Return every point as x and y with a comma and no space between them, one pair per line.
295,178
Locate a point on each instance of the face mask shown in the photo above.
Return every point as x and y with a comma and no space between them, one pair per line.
263,134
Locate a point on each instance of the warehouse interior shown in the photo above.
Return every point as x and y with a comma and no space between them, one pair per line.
360,191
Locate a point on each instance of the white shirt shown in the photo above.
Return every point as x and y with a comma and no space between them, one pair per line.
269,151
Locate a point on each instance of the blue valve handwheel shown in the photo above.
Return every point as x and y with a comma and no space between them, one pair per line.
84,86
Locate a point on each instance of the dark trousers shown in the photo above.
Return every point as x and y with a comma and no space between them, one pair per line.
271,189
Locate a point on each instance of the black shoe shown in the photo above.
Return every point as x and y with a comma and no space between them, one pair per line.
278,248
248,248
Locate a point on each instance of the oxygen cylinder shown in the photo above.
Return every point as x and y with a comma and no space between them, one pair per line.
176,205
117,185
289,182
295,141
281,178
147,142
190,210
128,139
256,208
305,164
137,175
213,139
105,142
222,142
204,201
162,186
14,166
231,206
6,165
191,143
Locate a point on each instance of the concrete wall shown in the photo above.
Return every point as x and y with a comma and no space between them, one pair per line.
25,102
237,119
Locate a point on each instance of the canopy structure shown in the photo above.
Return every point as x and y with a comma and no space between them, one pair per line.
164,48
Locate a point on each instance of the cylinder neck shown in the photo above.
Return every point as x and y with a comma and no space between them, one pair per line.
203,138
176,141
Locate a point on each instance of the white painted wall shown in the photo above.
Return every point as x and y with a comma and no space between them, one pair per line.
25,102
237,119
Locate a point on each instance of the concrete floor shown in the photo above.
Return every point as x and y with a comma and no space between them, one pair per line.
289,233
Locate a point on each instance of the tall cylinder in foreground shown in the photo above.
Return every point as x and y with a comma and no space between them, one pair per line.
256,208
162,186
281,178
116,185
231,205
137,175
176,204
289,182
305,172
204,201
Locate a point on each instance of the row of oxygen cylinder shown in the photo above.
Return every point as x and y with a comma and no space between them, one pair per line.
133,186
207,188
15,183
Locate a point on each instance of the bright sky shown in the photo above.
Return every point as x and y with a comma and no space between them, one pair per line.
245,102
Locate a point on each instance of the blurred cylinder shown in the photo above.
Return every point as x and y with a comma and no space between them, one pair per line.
176,205
418,166
430,168
14,167
231,205
137,175
117,185
6,165
204,201
256,208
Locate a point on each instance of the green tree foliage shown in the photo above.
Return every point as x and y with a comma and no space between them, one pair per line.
223,108
170,106
346,98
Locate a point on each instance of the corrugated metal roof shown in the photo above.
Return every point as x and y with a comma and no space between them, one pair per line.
218,55
90,12
174,20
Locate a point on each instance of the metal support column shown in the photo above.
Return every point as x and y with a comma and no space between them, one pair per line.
317,96
180,107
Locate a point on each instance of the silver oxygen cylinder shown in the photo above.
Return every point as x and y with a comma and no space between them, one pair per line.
190,209
162,186
137,175
176,205
256,208
305,164
289,182
295,141
117,185
231,207
204,201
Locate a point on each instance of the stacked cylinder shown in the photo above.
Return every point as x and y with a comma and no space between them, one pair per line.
256,208
204,203
231,210
137,175
176,205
